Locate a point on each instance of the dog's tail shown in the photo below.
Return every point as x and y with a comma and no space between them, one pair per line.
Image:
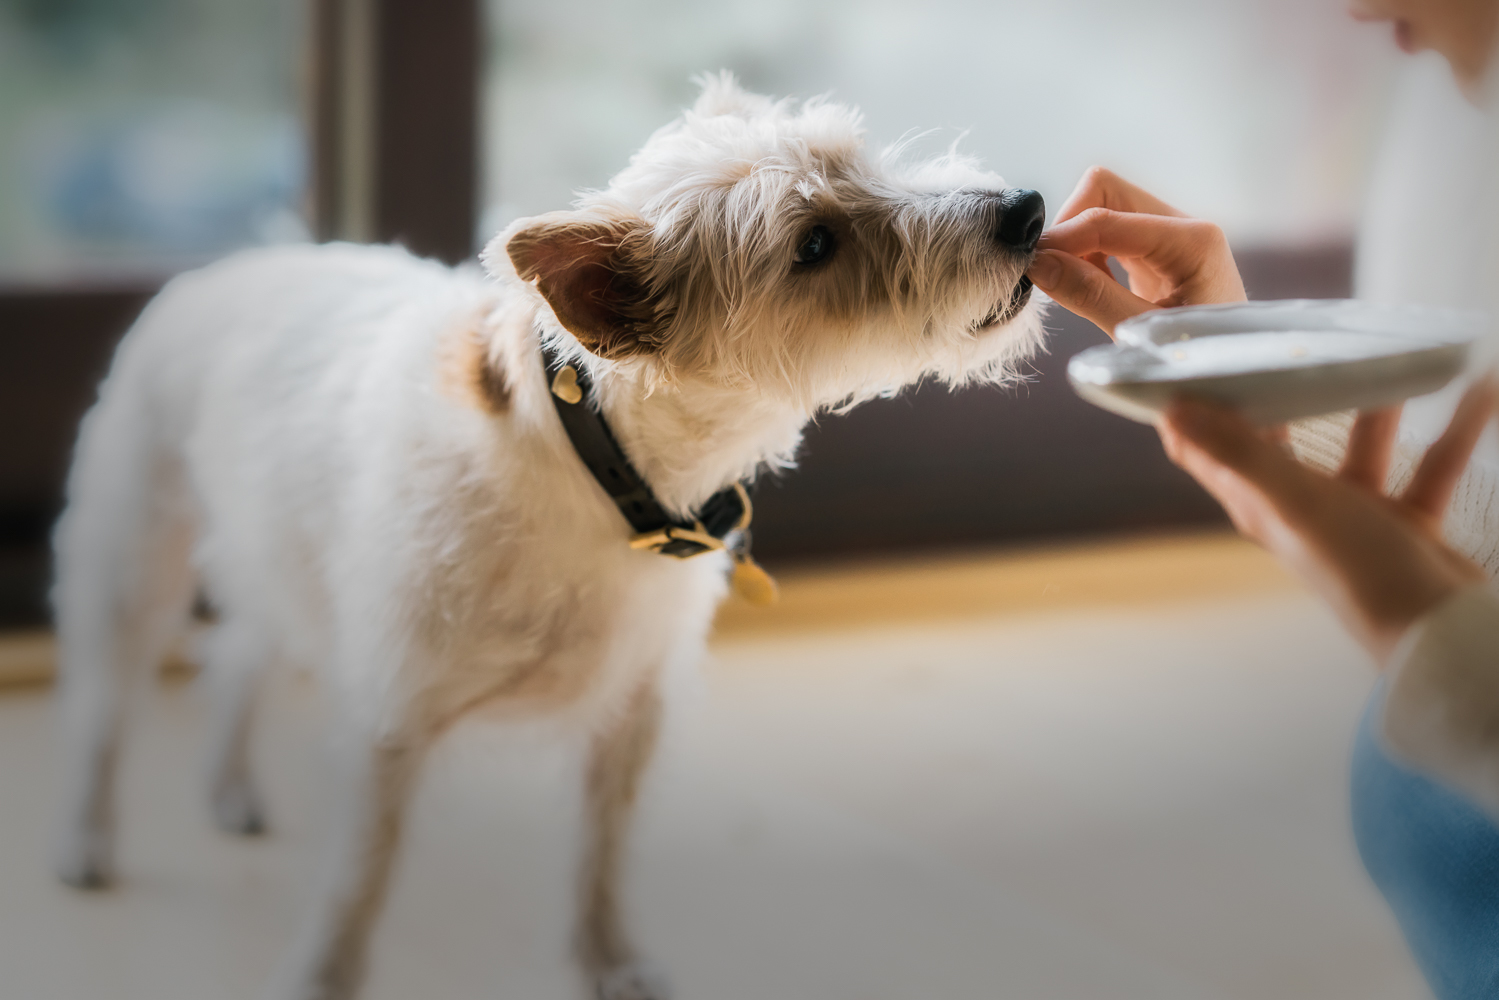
123,585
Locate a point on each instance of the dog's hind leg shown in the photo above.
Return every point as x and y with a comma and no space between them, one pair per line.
124,584
375,779
237,654
617,760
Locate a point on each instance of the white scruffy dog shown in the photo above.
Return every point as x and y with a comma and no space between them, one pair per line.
357,455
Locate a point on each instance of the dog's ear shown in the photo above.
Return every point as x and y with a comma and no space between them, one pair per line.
590,269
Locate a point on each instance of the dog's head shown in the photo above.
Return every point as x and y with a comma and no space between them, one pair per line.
755,243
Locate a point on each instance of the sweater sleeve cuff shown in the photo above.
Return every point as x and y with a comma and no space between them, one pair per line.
1442,710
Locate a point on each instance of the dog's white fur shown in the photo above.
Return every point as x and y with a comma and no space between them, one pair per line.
355,453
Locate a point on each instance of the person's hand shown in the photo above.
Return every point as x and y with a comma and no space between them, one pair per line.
1380,561
1171,260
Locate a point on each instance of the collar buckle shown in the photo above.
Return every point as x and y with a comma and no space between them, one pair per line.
684,543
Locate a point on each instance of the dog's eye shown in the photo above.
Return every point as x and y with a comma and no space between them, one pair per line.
818,246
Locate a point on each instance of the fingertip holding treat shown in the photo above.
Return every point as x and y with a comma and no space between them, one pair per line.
1046,269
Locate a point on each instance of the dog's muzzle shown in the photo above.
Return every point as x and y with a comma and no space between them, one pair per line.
1017,229
1008,310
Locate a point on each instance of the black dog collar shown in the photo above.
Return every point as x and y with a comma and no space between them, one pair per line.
724,513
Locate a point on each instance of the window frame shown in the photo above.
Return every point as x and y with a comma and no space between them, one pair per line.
391,117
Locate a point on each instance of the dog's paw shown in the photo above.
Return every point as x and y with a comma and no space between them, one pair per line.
301,981
314,991
635,981
85,859
237,809
311,992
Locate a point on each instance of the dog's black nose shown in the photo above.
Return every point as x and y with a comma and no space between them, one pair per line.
1021,219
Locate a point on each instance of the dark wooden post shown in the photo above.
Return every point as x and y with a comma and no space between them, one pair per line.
394,122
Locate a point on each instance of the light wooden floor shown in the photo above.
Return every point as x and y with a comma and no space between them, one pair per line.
1099,772
913,590
931,590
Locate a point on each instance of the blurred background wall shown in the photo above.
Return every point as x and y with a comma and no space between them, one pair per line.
142,137
1256,113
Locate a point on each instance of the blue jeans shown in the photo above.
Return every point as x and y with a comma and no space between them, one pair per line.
1435,856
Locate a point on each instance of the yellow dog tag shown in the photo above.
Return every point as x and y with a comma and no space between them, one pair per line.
753,583
565,385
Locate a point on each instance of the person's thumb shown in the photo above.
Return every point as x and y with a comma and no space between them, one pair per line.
1221,434
1084,289
1222,451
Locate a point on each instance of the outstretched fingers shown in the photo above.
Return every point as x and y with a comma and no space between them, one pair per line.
1437,476
1367,461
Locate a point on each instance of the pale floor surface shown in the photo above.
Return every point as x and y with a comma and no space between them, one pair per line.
1102,800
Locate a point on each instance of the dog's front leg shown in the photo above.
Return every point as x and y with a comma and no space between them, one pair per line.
375,781
617,759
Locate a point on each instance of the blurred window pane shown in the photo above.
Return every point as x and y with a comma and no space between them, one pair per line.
138,137
1256,113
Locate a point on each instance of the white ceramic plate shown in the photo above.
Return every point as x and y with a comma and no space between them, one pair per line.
1276,361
